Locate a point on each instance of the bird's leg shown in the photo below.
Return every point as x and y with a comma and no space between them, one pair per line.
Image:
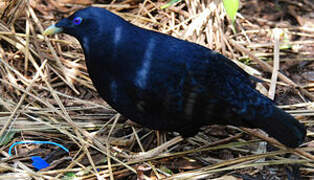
189,132
161,137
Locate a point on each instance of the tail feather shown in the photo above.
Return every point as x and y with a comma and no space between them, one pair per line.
283,127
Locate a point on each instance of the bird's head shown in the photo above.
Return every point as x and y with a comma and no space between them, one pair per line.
84,23
92,26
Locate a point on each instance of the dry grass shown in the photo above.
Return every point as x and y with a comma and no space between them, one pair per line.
46,94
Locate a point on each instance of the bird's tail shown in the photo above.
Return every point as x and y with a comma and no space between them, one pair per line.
283,127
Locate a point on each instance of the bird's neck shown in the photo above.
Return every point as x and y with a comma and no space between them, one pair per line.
120,52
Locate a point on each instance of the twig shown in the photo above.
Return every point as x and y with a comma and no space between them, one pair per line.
272,87
268,68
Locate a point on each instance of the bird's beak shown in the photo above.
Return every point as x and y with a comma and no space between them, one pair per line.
51,30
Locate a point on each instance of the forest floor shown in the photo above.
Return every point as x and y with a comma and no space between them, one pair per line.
46,94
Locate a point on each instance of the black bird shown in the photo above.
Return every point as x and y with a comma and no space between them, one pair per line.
165,83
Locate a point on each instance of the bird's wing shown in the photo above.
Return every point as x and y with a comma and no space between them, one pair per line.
229,85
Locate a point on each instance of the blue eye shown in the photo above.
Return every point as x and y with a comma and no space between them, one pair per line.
77,20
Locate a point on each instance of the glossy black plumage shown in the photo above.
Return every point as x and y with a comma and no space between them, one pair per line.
169,84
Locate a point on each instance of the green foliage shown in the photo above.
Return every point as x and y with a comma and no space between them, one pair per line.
6,138
245,60
69,176
285,44
231,7
165,169
169,4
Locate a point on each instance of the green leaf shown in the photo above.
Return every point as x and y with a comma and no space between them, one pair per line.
285,44
6,138
231,7
69,176
165,169
169,4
